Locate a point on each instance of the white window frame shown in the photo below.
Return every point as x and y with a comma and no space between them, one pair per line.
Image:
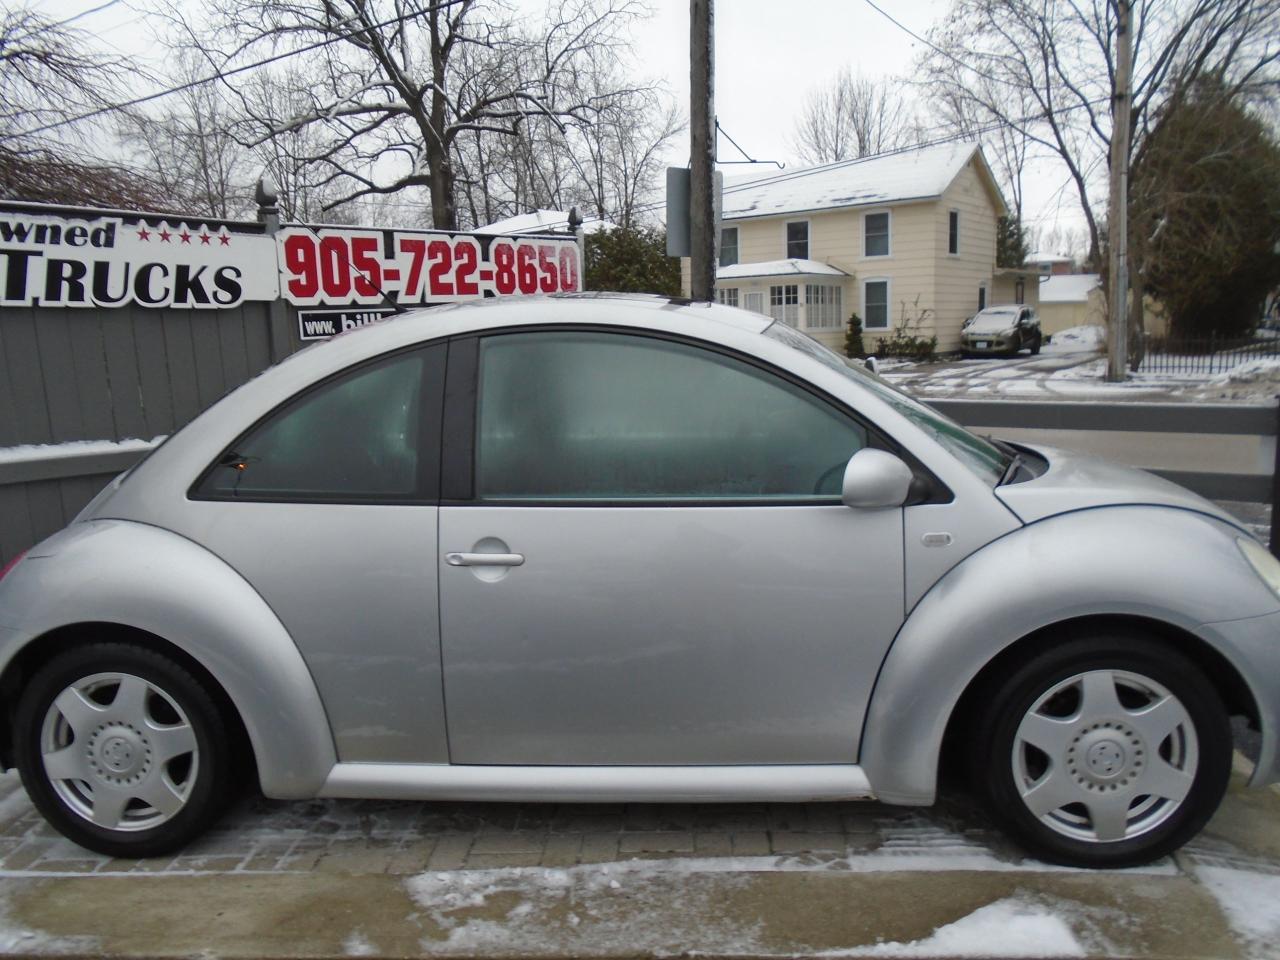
737,239
788,313
829,304
808,240
889,239
753,300
888,303
727,295
984,300
956,251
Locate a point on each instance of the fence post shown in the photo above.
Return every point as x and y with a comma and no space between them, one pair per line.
268,196
1275,490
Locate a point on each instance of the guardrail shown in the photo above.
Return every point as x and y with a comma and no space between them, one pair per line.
1239,440
42,489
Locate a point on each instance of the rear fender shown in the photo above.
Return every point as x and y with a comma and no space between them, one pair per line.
150,579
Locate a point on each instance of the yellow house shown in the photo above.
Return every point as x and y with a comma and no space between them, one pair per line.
905,240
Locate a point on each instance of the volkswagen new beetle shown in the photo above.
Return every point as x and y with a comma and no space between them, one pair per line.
620,548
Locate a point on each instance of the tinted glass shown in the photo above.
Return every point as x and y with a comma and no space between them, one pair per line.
587,416
877,304
354,438
728,246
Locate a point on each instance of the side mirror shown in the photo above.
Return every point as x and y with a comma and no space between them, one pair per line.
874,478
872,364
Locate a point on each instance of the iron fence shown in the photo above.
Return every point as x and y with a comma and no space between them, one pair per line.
1203,356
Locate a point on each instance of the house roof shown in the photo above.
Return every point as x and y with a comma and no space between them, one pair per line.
1045,258
1068,288
541,221
921,174
779,268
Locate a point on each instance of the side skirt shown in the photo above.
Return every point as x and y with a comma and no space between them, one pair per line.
682,784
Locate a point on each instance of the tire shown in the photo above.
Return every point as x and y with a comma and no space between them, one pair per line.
1105,751
1016,347
1035,347
122,750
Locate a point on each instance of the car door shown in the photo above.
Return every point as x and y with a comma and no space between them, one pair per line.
673,577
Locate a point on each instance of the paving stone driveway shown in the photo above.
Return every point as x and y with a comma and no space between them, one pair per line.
367,836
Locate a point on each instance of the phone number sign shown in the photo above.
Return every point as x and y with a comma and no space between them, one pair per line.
342,267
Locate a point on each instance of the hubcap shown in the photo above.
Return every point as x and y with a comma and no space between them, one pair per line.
1105,755
119,751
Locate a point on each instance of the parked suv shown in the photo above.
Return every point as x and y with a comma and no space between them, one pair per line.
1004,330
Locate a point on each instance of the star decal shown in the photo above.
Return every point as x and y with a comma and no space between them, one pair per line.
224,240
204,239
186,237
165,235
143,233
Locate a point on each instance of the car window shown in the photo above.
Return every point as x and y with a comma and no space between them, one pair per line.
353,438
598,416
979,455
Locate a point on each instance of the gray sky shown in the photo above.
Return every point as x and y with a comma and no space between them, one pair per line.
769,55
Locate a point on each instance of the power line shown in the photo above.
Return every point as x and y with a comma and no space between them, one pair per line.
224,74
49,27
929,43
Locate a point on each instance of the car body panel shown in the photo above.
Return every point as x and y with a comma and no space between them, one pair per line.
154,580
1076,481
355,586
1076,565
660,635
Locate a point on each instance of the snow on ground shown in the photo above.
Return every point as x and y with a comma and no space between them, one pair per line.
1251,903
1077,338
23,941
73,448
1006,928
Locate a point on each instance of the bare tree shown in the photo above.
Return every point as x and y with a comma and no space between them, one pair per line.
990,56
47,73
185,144
403,80
853,116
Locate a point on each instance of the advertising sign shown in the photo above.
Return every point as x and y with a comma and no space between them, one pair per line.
106,262
112,261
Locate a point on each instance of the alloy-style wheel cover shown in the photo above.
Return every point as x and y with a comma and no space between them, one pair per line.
119,752
1105,755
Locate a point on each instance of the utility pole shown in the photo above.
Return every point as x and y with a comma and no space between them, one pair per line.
1118,207
702,136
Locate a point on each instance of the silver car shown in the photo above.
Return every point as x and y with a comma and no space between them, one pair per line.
617,548
1004,330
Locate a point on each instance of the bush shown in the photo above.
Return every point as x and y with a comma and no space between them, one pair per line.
853,346
905,343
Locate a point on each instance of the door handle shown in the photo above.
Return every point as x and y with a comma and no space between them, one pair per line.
484,559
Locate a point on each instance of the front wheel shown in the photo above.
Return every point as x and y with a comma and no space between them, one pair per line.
1105,752
122,750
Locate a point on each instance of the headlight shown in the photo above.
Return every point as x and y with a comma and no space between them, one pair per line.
1263,563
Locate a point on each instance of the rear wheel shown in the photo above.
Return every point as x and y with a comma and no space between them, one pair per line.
1105,752
1035,346
122,750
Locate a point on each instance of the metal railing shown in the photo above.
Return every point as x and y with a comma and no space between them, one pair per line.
1203,356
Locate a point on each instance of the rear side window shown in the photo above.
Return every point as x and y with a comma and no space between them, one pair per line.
599,416
355,438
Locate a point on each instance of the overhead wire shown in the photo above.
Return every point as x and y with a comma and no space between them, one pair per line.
224,74
50,27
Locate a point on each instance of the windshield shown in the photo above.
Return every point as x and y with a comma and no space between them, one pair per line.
992,321
981,456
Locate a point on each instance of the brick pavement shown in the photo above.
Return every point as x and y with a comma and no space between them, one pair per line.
379,836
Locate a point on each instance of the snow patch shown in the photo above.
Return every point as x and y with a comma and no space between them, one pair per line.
358,945
1251,903
1087,335
74,448
1264,369
18,939
1006,928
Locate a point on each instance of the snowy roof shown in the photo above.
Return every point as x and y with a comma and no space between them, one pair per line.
541,221
779,268
1046,258
889,178
1068,288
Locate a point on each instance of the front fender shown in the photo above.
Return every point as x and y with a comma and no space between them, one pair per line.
1169,565
140,576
